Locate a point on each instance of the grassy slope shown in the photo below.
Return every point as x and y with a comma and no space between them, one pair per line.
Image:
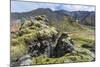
81,34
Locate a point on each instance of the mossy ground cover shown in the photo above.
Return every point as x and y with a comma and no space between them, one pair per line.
83,55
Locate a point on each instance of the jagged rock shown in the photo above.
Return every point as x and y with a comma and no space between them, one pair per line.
63,46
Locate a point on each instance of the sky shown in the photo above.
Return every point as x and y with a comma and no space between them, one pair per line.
19,6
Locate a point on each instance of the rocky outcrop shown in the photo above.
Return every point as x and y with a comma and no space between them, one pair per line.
42,39
49,42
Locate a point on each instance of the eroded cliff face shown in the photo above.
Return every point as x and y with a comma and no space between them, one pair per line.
36,38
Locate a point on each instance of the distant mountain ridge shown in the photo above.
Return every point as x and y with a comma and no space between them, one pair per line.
83,17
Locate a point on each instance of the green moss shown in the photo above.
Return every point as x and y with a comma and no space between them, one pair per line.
14,42
80,55
18,51
47,32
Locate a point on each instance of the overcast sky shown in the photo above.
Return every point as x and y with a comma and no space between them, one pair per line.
19,6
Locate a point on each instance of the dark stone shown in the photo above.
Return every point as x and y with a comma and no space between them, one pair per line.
50,51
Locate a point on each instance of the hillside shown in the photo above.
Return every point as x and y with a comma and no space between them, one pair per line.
35,41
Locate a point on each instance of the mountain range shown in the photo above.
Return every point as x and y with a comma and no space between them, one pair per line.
82,17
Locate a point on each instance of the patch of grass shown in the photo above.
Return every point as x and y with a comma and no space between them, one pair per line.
18,51
80,41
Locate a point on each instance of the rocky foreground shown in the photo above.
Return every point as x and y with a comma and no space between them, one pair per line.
35,42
